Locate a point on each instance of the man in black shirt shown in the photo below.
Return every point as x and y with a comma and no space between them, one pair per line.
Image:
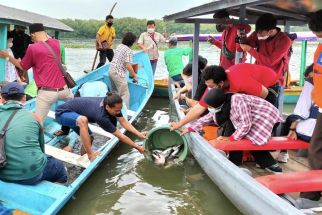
78,112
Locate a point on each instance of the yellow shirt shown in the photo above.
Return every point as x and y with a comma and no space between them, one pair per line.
106,33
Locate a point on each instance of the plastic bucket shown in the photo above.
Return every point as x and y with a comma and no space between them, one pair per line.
162,138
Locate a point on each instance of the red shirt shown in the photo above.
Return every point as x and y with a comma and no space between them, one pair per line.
229,37
45,69
272,52
247,78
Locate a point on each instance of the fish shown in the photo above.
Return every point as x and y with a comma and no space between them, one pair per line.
161,158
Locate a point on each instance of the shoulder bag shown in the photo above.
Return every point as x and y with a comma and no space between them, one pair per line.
3,157
68,78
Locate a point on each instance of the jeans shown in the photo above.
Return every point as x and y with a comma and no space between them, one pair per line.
54,172
154,65
109,54
69,119
178,78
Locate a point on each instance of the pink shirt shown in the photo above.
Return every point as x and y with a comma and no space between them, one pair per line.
46,71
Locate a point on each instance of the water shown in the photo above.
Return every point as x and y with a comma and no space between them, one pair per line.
125,183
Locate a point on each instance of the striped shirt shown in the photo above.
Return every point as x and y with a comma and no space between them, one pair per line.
252,117
123,55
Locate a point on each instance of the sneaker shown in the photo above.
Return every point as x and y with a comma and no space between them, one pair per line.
275,168
303,203
282,157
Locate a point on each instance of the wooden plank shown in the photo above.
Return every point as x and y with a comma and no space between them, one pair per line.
66,156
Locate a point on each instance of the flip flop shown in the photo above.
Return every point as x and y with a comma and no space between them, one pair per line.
60,133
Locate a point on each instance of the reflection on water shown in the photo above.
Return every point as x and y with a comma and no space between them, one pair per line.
126,183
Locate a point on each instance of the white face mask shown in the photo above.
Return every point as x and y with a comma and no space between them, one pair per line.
150,30
262,38
9,45
215,110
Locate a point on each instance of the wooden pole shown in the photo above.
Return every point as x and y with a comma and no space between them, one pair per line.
94,60
3,45
195,57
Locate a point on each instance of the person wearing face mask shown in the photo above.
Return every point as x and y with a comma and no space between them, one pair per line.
47,74
234,113
245,78
21,40
270,47
227,44
104,41
11,73
148,42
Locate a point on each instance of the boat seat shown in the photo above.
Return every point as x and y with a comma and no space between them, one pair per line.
307,181
275,143
66,156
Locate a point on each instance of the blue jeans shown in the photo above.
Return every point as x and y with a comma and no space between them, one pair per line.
178,78
154,65
69,119
54,171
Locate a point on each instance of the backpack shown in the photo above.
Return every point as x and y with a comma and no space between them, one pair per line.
3,157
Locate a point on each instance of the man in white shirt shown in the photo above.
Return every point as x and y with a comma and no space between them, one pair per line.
148,42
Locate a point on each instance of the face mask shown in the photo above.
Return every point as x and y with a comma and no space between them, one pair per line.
215,110
209,88
150,30
109,24
9,45
262,38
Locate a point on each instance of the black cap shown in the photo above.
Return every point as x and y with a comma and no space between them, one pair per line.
266,22
220,14
36,27
10,34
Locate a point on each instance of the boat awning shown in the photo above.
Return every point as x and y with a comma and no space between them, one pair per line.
9,15
295,12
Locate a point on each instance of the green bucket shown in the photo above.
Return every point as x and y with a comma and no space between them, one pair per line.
162,138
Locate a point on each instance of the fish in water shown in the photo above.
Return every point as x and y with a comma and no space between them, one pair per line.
160,157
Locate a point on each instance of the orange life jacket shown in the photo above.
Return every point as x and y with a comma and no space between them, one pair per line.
317,76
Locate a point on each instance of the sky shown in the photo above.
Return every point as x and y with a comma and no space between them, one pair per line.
98,9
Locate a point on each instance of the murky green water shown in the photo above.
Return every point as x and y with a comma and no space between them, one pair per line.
125,183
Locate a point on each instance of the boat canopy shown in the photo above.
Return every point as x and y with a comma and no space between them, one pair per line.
288,13
13,16
293,12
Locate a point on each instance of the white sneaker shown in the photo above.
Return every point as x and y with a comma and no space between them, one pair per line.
282,157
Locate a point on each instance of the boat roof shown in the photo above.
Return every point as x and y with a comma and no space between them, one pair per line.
295,12
9,15
309,36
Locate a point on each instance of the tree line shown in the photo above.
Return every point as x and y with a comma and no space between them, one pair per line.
87,29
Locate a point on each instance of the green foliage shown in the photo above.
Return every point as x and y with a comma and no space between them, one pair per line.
87,29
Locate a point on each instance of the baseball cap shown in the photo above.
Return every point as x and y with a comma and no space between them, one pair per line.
12,88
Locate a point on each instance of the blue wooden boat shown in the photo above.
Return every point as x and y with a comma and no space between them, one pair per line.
49,198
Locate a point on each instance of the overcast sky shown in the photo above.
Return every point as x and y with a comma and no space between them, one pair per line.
98,9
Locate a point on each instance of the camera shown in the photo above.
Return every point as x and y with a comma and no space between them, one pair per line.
240,40
242,36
